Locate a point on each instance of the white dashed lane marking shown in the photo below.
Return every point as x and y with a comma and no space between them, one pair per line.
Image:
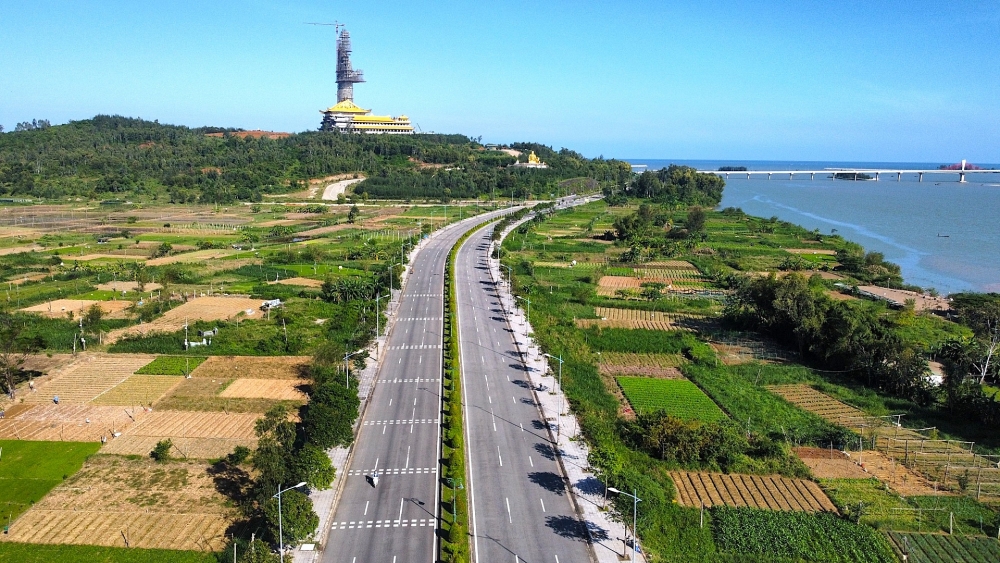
381,524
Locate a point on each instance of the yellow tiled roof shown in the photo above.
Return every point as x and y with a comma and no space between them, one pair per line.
346,106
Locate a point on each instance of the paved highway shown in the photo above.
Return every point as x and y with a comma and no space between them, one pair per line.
520,507
395,522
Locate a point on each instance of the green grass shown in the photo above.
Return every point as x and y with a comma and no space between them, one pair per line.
35,553
677,397
639,341
171,365
29,470
880,508
939,548
798,536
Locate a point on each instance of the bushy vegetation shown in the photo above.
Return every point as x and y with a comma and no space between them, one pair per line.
797,536
43,553
181,164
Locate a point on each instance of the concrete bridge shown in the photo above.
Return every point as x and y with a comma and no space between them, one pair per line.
857,173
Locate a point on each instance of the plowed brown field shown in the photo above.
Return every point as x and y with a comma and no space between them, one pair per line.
139,390
88,378
280,389
68,423
194,434
758,491
257,367
199,309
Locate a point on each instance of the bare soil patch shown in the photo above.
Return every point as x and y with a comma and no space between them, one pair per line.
302,282
772,492
830,464
196,435
68,423
112,499
650,365
280,389
257,367
196,256
128,286
61,307
899,296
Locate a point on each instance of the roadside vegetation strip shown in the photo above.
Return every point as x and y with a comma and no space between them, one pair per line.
797,536
939,548
676,397
454,511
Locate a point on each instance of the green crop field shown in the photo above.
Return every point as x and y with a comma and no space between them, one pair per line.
29,470
35,553
941,548
798,536
171,365
677,397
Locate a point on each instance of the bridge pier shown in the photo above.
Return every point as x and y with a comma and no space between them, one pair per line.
768,175
920,176
876,176
790,175
961,177
812,176
899,176
748,175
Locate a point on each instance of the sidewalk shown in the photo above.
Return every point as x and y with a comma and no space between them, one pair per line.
588,491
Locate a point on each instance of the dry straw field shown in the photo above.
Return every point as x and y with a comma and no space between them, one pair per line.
821,404
257,367
199,309
279,389
203,435
60,308
66,423
139,390
88,378
637,319
130,503
758,491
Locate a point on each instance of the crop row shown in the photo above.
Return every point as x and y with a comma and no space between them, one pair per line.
677,397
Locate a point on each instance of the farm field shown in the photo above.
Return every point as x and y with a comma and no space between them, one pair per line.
179,505
649,365
139,390
676,397
42,553
821,404
302,282
28,470
796,536
201,435
60,308
171,365
830,464
207,308
87,378
258,367
942,548
769,492
66,422
278,389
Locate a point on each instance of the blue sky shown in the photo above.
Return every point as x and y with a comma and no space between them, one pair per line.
879,80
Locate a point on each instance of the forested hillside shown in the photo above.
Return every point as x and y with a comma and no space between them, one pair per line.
118,157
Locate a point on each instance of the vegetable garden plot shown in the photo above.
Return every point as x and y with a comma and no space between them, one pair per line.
171,365
821,404
677,397
941,548
88,378
757,491
650,365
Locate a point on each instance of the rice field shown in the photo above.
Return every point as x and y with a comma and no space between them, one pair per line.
771,492
675,397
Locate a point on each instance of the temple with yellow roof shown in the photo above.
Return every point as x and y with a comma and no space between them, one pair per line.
347,117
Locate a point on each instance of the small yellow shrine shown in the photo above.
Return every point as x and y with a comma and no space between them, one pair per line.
533,162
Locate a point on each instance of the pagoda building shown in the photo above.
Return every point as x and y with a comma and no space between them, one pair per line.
347,117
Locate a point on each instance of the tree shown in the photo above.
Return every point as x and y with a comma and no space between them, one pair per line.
161,452
298,520
981,313
695,221
92,317
250,237
15,348
313,466
258,551
352,215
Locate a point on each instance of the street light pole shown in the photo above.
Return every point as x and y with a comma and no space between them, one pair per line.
635,509
281,534
562,405
378,312
347,368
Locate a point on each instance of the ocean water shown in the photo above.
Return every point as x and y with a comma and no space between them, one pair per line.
943,234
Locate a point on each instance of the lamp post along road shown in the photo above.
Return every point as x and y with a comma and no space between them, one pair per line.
635,509
347,367
281,534
562,406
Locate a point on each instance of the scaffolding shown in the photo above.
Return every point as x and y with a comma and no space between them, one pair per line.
347,77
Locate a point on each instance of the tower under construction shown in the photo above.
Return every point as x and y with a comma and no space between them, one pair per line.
347,117
347,77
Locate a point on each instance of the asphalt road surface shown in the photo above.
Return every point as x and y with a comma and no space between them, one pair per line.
520,507
396,521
